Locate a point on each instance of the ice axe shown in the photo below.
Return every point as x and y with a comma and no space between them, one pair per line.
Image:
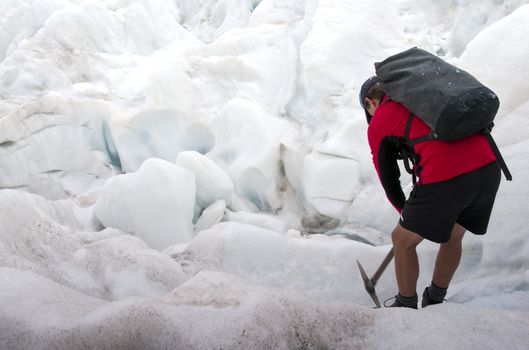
370,283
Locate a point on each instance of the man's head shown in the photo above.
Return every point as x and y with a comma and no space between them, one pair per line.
371,93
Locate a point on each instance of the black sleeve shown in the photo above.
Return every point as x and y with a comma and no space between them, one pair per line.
389,170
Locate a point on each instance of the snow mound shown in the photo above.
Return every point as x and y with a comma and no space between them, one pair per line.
216,310
156,203
46,238
212,183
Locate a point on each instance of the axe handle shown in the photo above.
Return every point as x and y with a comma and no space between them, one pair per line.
383,266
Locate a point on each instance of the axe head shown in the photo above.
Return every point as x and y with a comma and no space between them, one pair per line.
369,285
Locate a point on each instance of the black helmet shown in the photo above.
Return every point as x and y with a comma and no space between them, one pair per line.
363,92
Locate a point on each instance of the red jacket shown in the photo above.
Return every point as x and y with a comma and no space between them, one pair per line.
439,160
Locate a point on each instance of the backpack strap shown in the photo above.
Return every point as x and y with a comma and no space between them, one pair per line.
430,137
407,153
499,158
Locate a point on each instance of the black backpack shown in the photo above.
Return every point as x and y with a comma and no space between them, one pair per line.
449,100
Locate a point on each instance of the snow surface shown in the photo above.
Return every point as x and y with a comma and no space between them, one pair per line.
195,175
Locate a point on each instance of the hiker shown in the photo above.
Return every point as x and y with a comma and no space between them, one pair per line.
455,190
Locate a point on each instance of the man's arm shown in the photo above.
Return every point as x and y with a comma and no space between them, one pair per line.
389,172
385,139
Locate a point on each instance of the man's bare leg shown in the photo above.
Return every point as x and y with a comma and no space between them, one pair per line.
448,258
406,261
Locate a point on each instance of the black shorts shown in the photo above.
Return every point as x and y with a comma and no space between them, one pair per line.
432,210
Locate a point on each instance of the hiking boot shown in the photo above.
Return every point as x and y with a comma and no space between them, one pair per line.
426,300
401,301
